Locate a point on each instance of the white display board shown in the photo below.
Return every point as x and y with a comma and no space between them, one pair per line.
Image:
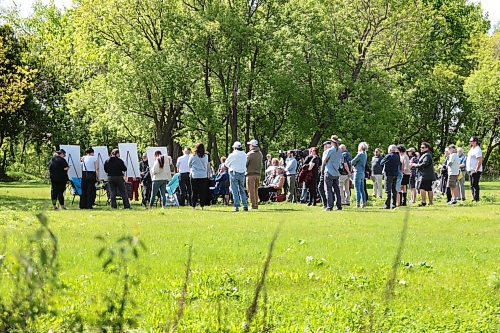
150,151
128,153
101,152
74,160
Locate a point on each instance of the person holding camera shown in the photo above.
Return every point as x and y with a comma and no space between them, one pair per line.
291,171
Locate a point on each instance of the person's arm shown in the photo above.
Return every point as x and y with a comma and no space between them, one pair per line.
96,166
106,166
384,160
426,161
479,163
327,157
280,184
66,165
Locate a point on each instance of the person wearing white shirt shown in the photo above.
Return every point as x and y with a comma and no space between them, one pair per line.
184,181
90,167
160,176
291,170
474,166
236,163
453,165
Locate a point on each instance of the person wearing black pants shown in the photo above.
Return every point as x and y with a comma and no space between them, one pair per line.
184,179
474,165
314,163
115,167
89,178
391,163
199,172
58,169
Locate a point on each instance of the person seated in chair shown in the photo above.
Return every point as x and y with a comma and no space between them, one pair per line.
275,185
221,180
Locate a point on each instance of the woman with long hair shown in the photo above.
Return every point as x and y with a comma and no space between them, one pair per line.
413,174
314,163
200,173
160,176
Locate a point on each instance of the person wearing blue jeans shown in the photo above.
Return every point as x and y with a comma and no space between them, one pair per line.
331,161
359,164
161,186
236,163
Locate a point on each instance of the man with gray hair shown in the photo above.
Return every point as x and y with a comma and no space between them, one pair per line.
391,163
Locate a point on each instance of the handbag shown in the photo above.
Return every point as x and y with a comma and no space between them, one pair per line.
460,175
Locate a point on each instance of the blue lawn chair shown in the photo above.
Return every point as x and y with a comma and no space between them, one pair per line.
76,187
171,194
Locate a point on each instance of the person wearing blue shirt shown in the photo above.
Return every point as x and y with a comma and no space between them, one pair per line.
331,162
391,164
359,164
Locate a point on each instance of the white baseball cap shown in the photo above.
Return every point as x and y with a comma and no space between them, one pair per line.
253,142
237,144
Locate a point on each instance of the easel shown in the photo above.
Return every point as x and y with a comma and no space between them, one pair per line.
100,188
127,159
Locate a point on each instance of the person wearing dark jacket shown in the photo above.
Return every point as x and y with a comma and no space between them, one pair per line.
58,169
391,168
425,171
115,167
146,183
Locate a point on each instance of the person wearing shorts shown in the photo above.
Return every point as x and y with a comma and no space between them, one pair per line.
453,171
425,167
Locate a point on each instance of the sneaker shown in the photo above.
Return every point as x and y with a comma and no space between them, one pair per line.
338,208
453,202
422,204
236,209
245,209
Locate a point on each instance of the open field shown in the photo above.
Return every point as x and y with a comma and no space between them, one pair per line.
328,272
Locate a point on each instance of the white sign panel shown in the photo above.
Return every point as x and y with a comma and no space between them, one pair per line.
150,151
74,160
128,153
101,152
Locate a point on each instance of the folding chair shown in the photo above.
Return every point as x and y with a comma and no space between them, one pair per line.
171,194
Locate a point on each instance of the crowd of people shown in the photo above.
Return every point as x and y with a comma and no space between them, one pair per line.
247,179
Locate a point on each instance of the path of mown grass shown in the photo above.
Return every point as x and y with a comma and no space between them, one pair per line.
456,290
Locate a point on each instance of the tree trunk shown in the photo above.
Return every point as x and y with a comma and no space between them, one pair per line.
234,103
250,94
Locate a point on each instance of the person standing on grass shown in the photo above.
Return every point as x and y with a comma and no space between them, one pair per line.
254,167
160,176
359,165
332,162
413,174
184,180
90,167
146,183
200,173
443,169
453,171
345,175
391,163
377,171
461,182
291,172
405,168
313,163
321,183
58,170
426,174
236,163
474,167
115,167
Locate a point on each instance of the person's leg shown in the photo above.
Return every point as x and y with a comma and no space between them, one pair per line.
60,193
253,188
163,190
394,194
291,188
431,197
154,191
112,191
365,191
233,182
85,193
321,190
205,192
336,190
423,194
347,190
195,191
123,192
54,191
312,192
241,190
93,191
329,191
375,186
474,185
358,187
388,191
461,188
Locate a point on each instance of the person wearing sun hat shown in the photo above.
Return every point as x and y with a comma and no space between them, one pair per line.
254,166
236,165
474,166
332,160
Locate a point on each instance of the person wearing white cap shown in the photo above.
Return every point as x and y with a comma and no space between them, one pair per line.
254,166
474,166
236,163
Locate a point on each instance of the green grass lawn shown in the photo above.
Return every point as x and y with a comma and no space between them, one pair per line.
450,282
